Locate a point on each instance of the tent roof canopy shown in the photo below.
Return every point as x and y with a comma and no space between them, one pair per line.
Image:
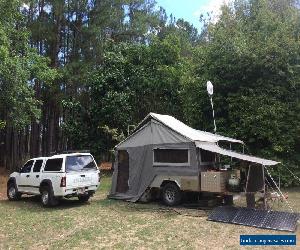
186,131
212,147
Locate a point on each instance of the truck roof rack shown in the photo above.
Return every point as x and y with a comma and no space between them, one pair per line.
68,152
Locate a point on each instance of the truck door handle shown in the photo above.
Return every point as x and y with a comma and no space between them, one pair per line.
82,175
37,176
27,175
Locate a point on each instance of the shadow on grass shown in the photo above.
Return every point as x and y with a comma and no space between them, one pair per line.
34,203
156,206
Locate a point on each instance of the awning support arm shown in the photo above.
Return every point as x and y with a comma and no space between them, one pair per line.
279,191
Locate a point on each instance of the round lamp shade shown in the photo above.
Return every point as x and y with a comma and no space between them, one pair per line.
210,88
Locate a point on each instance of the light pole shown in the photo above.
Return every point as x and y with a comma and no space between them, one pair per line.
210,91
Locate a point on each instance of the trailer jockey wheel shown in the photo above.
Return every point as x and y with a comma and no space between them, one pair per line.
171,194
228,200
146,196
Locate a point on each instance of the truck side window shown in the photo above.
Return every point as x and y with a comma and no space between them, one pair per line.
53,164
37,165
27,167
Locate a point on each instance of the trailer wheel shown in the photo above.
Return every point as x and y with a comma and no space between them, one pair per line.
171,194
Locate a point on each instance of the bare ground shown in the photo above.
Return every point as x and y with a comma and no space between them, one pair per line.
3,181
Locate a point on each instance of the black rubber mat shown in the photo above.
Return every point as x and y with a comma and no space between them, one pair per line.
282,221
250,217
223,214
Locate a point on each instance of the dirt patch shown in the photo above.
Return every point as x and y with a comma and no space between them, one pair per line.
3,181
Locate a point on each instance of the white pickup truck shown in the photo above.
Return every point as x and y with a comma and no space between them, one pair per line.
56,177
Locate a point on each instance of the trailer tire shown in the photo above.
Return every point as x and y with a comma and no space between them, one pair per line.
171,194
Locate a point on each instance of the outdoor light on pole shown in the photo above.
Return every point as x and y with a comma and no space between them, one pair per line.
210,91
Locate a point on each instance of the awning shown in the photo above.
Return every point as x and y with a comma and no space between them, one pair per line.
212,147
224,138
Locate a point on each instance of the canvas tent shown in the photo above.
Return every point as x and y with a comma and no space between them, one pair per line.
135,166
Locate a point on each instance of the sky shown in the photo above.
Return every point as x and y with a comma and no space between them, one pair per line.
190,10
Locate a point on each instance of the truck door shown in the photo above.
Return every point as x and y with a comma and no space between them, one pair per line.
34,178
23,180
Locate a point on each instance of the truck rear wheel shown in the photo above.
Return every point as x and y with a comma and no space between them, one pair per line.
47,197
83,198
171,194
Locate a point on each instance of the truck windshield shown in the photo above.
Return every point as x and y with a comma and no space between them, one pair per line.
80,163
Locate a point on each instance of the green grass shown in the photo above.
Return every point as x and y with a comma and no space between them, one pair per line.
107,224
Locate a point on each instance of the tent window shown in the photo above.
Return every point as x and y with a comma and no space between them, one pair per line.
207,156
171,156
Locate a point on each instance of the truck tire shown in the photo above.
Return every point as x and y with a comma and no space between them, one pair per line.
47,197
84,198
171,194
12,192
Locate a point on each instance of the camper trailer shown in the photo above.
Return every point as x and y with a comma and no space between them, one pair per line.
165,156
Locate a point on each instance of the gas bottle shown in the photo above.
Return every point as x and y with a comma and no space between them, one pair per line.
234,183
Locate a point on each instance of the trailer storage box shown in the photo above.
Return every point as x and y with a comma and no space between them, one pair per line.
214,181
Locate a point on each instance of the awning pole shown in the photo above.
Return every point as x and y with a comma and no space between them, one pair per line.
230,150
265,200
279,178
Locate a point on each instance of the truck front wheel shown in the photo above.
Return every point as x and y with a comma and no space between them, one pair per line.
12,192
171,194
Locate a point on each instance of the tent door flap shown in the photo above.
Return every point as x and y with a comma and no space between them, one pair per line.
123,171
